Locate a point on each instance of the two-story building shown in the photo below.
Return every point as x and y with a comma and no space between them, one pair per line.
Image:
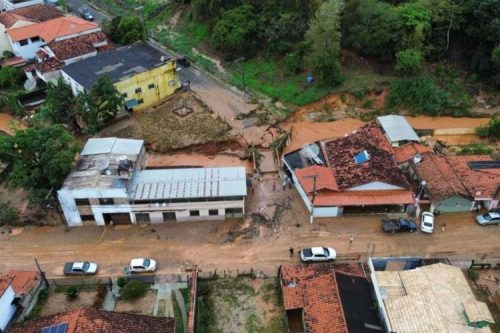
110,185
143,74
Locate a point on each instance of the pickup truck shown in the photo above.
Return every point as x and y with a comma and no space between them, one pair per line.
400,224
80,268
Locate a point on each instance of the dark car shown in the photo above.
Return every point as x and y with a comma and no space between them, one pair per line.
80,268
85,14
399,225
184,62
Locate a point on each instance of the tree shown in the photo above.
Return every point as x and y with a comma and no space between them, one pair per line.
99,105
133,290
323,40
492,130
125,29
11,77
40,158
409,62
417,22
8,214
60,106
236,32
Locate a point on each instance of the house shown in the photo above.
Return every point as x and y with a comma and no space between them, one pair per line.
397,130
429,298
22,17
55,55
83,320
8,307
459,183
16,4
26,40
327,298
111,185
354,173
143,74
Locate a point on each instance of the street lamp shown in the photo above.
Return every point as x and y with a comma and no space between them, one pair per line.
311,217
141,9
241,61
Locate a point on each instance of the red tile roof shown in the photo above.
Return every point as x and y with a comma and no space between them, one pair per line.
314,289
451,175
35,13
23,281
77,46
13,61
52,29
407,151
98,321
49,65
364,198
5,282
325,179
381,167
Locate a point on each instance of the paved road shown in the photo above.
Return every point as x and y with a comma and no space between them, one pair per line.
180,245
74,5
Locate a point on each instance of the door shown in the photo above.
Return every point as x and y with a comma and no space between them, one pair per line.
117,218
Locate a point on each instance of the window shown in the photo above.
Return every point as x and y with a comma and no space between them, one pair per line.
140,101
169,216
82,202
213,212
151,86
35,39
23,42
106,201
125,95
142,217
194,213
234,211
87,217
138,90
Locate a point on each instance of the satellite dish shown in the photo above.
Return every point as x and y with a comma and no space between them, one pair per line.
310,150
122,158
30,84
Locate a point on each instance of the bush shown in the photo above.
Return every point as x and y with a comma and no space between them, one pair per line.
133,290
102,289
492,130
292,63
473,275
8,214
72,293
475,149
409,62
121,281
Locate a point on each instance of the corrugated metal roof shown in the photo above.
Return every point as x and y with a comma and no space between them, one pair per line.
188,183
115,146
397,128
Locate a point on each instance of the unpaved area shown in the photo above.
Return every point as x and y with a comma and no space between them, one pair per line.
57,302
197,160
425,122
180,122
239,304
9,123
143,305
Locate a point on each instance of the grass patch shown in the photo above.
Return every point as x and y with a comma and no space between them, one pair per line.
179,322
186,296
475,149
43,296
205,314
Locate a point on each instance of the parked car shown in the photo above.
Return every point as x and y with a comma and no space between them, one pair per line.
312,254
184,62
85,13
399,225
488,218
80,268
141,265
427,222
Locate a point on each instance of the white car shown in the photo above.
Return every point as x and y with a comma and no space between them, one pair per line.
141,265
427,222
489,218
312,254
80,268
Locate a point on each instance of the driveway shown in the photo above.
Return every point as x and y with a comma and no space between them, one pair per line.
181,245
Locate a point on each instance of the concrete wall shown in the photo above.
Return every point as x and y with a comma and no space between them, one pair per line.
7,310
453,205
76,87
164,79
27,51
375,186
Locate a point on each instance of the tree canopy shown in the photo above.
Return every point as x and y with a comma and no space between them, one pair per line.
125,29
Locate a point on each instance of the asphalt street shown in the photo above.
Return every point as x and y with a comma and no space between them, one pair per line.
74,5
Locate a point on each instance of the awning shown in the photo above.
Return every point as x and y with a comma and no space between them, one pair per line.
131,103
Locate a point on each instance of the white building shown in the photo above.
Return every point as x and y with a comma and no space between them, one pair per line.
16,4
7,304
397,130
110,185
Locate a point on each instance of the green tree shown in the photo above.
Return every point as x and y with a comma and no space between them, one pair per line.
60,106
8,214
125,29
323,40
409,62
417,22
11,77
133,290
235,33
40,158
492,130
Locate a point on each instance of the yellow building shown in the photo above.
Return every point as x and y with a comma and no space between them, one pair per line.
142,73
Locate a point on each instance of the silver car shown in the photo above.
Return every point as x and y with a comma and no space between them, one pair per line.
142,265
317,254
488,218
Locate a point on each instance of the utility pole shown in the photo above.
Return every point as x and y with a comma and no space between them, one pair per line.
311,217
141,9
42,273
241,61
